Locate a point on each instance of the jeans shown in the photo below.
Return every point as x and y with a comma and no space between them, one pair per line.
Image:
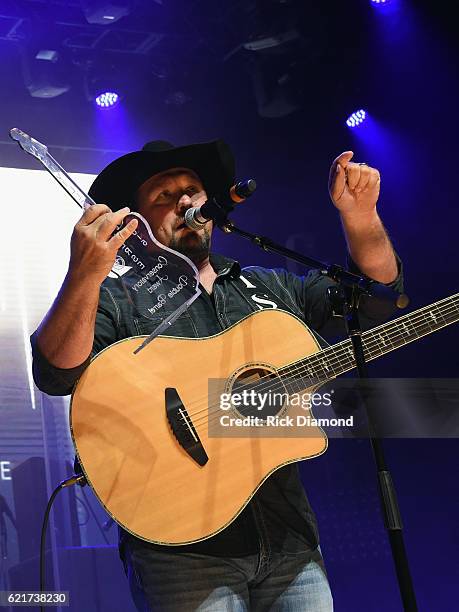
188,582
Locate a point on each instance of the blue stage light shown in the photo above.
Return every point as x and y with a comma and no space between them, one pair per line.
107,99
380,1
356,118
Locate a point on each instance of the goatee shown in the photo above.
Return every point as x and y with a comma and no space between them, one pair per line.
195,246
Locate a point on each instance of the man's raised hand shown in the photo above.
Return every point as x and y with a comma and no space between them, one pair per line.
354,188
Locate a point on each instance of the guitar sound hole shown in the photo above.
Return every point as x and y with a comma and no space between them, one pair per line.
258,392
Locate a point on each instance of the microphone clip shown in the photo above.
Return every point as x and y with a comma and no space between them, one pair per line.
217,208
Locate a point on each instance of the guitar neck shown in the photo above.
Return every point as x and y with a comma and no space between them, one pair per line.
339,358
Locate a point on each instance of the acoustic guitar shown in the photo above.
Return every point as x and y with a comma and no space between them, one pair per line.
146,427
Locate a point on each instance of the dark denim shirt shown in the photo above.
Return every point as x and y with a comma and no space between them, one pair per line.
279,516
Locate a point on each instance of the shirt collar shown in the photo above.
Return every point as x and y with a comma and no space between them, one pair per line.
224,266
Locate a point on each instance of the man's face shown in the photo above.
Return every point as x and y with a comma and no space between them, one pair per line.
163,200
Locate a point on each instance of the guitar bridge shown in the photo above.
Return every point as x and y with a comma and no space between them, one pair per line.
182,427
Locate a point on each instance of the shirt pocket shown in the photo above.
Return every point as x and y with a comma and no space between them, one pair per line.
144,326
182,327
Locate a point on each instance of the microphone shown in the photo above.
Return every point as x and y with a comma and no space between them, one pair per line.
216,210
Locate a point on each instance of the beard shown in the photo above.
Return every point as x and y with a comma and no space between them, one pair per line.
195,246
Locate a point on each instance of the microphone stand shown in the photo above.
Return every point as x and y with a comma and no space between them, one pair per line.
345,298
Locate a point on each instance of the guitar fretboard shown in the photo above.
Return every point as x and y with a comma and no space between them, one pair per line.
337,359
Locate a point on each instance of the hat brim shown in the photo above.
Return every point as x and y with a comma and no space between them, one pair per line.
118,183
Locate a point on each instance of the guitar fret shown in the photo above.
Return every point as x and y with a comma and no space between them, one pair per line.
319,375
432,316
437,317
336,360
288,384
388,339
380,343
380,339
446,316
413,329
297,379
346,358
296,385
324,363
415,325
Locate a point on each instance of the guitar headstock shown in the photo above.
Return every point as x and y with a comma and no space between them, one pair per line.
29,144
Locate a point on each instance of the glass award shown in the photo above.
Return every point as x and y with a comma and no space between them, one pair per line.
159,282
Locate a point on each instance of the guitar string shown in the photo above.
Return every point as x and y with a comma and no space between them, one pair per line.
349,363
214,409
370,342
346,347
215,413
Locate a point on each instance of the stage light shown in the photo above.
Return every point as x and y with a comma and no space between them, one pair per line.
104,87
107,99
105,12
380,1
276,88
269,42
45,74
356,118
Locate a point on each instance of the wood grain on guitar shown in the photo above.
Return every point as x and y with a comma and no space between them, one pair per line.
173,489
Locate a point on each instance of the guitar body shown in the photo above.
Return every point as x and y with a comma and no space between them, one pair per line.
133,461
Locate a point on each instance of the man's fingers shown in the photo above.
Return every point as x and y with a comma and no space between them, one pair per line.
353,175
365,174
375,179
344,158
337,182
117,240
92,213
106,224
337,177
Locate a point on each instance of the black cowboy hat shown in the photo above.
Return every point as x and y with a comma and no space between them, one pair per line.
118,183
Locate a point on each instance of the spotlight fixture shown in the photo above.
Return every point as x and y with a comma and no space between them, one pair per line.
107,99
276,88
356,118
104,87
105,12
275,40
45,73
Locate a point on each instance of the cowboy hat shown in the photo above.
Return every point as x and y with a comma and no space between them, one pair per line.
118,183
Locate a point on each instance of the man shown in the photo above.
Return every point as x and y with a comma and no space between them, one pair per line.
268,557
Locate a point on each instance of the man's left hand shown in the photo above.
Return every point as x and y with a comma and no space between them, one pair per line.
354,188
